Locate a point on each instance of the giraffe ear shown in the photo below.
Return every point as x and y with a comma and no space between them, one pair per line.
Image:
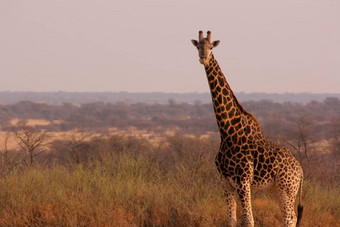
194,42
215,43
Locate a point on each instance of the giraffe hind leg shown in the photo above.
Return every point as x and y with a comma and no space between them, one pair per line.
287,206
287,187
287,195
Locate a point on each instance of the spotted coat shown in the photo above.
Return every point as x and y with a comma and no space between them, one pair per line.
246,160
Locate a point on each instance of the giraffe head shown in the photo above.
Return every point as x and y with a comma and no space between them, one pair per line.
204,46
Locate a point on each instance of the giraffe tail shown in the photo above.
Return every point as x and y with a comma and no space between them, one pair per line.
300,207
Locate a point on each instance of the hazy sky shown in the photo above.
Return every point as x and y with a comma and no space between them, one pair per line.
144,46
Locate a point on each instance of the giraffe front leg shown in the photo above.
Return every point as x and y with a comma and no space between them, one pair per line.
231,205
245,198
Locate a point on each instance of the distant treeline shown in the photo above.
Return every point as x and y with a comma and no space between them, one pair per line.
321,119
58,98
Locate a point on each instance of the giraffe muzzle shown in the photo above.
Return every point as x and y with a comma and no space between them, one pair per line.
204,61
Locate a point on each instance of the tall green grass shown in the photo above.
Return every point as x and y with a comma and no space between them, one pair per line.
135,190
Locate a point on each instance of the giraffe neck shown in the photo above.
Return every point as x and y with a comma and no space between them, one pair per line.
230,115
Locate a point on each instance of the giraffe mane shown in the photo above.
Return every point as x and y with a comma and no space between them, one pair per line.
243,110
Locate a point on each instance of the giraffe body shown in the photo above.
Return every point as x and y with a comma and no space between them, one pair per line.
246,160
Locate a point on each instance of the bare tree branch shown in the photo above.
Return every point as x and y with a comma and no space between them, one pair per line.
30,140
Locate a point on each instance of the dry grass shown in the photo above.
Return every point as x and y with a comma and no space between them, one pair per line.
34,122
125,190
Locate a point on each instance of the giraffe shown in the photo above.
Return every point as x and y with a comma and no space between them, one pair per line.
246,160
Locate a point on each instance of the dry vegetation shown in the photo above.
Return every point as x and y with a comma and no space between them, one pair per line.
126,181
107,178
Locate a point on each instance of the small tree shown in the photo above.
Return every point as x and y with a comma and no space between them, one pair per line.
32,141
4,158
4,153
73,147
335,136
301,139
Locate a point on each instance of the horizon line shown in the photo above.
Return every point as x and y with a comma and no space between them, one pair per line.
164,92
